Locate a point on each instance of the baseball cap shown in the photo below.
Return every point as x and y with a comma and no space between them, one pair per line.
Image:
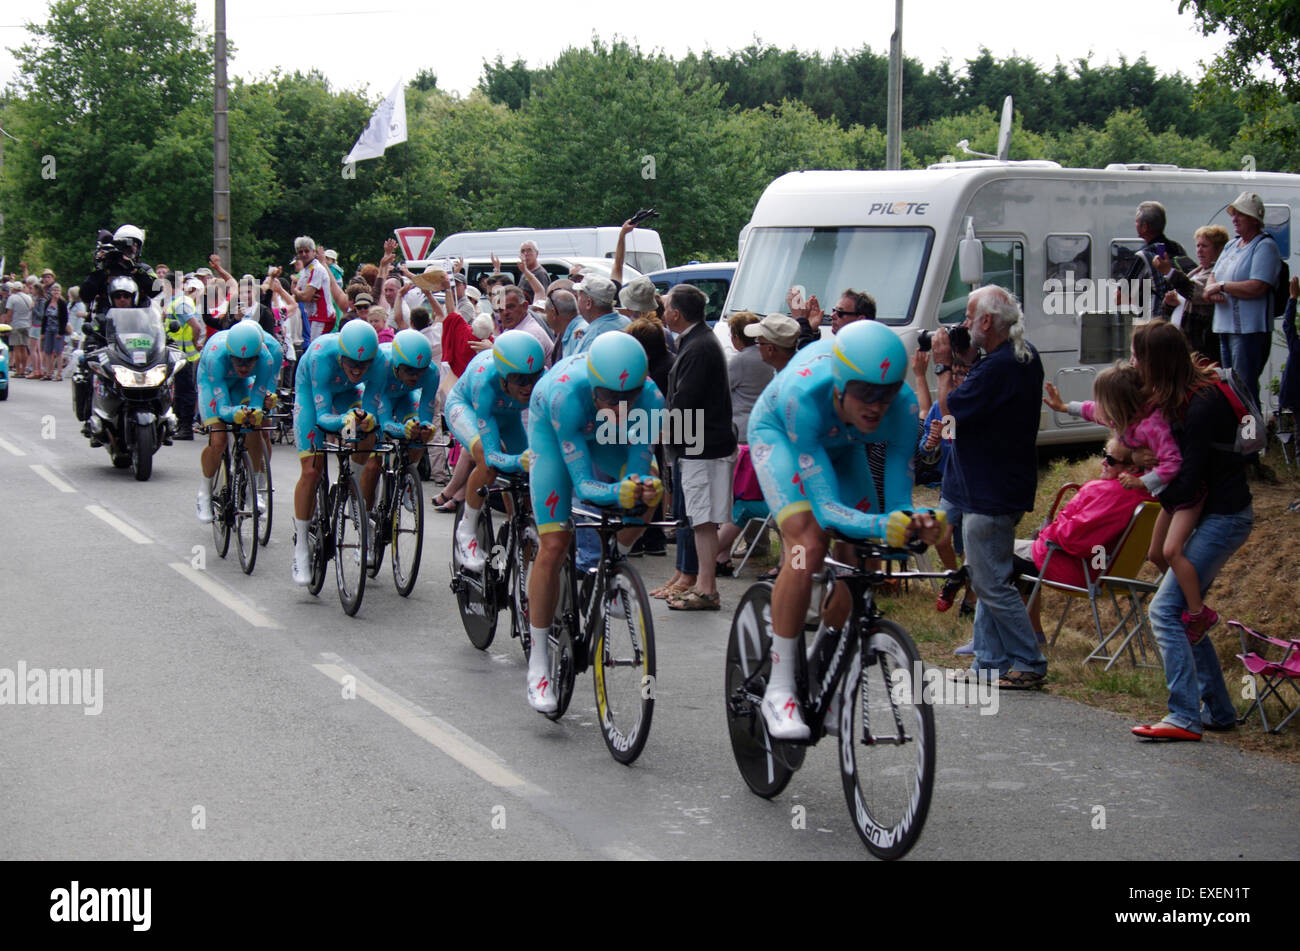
600,289
331,255
775,328
363,299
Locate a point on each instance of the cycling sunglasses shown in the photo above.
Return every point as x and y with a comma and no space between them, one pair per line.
604,394
350,364
409,372
523,379
243,363
872,392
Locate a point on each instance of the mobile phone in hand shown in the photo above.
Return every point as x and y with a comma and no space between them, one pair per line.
1160,250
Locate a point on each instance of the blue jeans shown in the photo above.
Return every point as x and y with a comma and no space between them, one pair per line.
688,563
1247,354
1197,693
1004,637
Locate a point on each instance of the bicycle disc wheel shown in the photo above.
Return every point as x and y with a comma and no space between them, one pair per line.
564,633
623,664
765,765
520,566
319,544
886,743
408,530
221,506
264,518
350,545
244,509
476,591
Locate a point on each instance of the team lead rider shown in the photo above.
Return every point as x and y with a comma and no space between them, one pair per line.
566,457
807,436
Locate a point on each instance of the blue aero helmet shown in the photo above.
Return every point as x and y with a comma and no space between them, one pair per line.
517,353
868,361
411,349
616,365
358,341
244,340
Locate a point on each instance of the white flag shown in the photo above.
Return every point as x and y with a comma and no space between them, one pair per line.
387,127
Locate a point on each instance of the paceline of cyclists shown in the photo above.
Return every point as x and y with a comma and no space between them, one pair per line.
567,427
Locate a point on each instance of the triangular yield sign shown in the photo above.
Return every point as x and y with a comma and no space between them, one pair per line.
415,242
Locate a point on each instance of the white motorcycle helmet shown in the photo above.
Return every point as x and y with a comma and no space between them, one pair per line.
129,239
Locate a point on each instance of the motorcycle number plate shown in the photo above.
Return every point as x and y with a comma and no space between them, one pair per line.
139,357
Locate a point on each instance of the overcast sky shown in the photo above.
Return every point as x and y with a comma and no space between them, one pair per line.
375,45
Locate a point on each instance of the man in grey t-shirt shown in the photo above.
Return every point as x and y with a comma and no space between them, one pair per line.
18,314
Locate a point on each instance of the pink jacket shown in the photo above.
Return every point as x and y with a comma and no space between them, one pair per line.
1151,432
1097,515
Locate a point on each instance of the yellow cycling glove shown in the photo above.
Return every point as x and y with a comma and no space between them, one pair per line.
896,529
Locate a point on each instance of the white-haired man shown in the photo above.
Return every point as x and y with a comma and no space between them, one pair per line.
992,475
312,291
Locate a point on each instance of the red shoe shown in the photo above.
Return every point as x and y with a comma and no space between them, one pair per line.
948,593
1164,731
1196,625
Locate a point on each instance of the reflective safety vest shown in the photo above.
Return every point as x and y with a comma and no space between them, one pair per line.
183,338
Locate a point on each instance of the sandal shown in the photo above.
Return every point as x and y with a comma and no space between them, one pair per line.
668,590
1021,680
769,575
441,503
693,600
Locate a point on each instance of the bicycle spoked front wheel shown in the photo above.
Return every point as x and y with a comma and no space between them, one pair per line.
408,530
320,544
564,632
521,562
623,665
887,745
264,491
221,506
243,509
765,764
350,545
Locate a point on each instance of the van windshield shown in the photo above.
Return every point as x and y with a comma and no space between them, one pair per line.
887,263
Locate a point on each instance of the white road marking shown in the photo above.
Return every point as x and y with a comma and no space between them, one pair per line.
11,448
109,518
52,479
223,596
473,756
478,759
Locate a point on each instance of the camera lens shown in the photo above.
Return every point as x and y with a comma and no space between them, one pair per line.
923,341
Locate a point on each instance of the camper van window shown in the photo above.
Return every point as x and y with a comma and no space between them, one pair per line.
1069,254
888,263
1004,265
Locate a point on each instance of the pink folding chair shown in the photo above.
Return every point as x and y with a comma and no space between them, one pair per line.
1276,674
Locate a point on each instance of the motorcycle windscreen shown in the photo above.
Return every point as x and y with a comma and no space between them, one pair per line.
138,334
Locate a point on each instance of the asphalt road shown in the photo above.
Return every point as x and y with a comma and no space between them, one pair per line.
225,733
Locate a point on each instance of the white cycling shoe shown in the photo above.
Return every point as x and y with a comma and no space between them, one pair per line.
782,715
203,506
467,551
832,722
301,569
541,693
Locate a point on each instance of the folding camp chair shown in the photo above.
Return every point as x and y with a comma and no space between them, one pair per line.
764,524
1276,675
1122,562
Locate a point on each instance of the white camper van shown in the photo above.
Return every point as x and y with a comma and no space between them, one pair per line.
645,251
1044,232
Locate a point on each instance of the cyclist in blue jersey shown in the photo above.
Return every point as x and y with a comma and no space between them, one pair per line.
400,391
484,411
327,396
570,451
807,438
236,373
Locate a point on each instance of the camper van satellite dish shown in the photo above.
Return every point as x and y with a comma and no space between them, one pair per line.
1004,131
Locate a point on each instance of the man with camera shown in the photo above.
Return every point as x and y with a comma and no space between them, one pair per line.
118,256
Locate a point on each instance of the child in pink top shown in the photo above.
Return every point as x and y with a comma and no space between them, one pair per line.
1121,405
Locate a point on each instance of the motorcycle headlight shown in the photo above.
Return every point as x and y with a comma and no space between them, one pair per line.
127,377
155,376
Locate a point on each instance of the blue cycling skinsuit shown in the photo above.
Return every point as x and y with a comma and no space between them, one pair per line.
479,409
222,390
323,395
573,449
807,459
393,402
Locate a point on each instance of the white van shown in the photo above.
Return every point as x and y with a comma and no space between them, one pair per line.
896,235
644,251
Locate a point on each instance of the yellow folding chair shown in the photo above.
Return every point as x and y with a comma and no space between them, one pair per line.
1121,565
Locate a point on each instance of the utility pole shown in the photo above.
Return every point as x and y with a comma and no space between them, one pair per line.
221,144
894,115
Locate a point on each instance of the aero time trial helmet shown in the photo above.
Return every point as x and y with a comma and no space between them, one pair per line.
244,340
518,357
872,356
358,341
616,367
412,349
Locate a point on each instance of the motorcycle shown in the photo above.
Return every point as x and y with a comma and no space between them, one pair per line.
123,390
